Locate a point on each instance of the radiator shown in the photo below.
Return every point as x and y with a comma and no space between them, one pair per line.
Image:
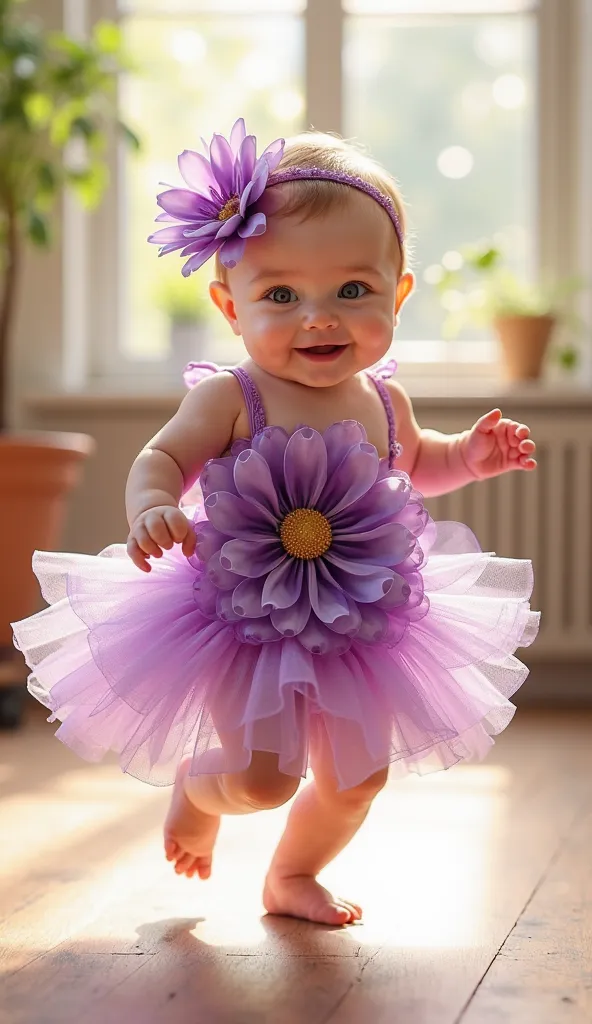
545,516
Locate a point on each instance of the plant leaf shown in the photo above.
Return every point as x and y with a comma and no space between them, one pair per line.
107,37
38,228
129,136
38,109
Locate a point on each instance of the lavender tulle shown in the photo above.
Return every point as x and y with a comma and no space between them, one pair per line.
130,662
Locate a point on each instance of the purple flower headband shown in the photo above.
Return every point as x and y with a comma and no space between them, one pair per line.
219,209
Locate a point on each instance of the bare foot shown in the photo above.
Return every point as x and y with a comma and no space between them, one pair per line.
302,896
189,834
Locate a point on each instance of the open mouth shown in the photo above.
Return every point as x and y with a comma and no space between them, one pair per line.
320,353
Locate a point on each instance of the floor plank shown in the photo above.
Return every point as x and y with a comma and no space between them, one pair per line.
98,928
543,972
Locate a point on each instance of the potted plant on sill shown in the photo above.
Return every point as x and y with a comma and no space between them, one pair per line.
483,292
188,310
57,101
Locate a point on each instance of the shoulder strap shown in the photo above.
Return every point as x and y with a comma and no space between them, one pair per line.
395,449
255,410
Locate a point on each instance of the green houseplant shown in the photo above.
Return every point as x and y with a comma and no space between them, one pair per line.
57,104
188,310
482,291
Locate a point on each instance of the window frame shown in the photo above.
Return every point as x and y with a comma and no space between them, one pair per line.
93,243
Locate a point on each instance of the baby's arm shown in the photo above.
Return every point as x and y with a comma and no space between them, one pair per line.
438,463
201,429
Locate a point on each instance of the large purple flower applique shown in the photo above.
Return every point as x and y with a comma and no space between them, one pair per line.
310,536
219,208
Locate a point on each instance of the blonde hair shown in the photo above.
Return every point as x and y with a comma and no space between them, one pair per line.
314,198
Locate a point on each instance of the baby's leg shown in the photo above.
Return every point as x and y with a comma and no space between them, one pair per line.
321,823
193,820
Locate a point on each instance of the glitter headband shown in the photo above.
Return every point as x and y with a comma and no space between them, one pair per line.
219,212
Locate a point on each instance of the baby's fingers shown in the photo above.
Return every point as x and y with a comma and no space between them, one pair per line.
146,542
137,555
158,531
177,524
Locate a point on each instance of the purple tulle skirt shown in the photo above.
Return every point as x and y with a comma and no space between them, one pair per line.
129,662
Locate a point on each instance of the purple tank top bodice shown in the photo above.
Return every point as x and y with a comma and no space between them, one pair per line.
258,421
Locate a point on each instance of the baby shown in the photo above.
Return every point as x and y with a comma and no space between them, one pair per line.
309,613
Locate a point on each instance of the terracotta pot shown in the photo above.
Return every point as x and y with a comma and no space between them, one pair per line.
524,341
37,470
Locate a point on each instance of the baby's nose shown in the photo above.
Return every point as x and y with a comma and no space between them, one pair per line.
320,318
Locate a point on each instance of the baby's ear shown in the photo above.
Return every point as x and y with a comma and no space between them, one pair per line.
405,286
221,296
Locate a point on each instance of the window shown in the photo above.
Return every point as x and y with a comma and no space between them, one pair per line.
202,64
445,94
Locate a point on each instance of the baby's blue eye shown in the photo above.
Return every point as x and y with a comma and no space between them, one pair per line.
282,296
352,290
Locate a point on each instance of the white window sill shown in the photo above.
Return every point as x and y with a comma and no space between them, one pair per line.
437,391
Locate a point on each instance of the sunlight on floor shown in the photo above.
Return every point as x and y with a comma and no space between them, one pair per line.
419,866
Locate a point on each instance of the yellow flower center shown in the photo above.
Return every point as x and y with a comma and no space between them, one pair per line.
305,533
230,208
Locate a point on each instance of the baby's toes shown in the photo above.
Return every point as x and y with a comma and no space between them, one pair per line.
184,862
355,912
171,849
203,866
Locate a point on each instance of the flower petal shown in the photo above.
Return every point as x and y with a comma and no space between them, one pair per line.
224,607
222,161
197,261
220,575
326,599
255,188
232,251
208,540
166,236
245,164
255,225
254,482
273,154
348,623
236,517
257,631
339,438
373,624
284,584
379,506
196,171
398,595
205,593
252,558
246,599
217,475
180,202
317,638
415,517
352,479
365,583
237,135
226,228
305,468
207,230
271,444
386,545
291,621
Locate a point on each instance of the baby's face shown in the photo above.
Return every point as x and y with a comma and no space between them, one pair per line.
315,300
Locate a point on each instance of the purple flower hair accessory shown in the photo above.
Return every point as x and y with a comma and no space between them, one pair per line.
218,209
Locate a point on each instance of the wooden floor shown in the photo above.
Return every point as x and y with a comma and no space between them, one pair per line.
477,887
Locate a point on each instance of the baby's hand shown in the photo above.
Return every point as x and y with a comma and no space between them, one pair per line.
158,529
495,445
